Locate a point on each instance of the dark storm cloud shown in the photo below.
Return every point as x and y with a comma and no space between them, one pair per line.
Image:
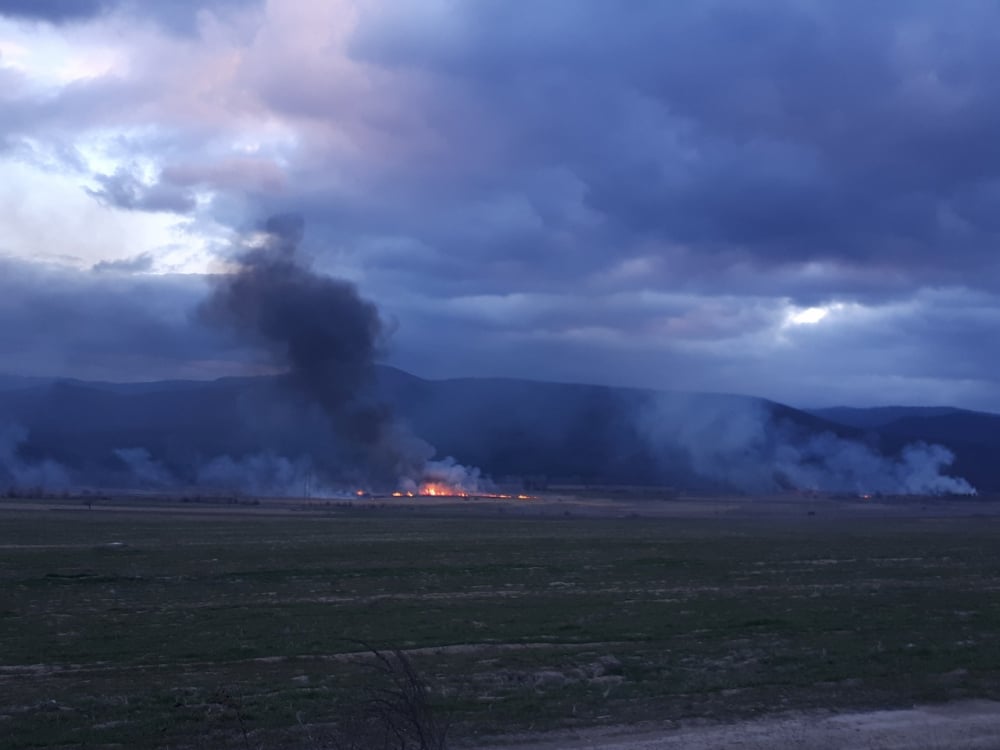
538,147
772,134
928,351
109,325
938,334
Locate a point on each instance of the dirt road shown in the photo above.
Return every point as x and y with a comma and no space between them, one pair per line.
967,725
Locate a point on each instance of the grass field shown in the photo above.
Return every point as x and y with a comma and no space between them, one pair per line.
136,630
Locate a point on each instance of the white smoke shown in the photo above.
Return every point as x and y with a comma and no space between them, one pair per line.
263,474
740,443
829,463
923,464
147,471
23,473
447,471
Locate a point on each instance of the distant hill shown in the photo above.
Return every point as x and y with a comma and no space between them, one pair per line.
18,382
582,433
109,433
880,416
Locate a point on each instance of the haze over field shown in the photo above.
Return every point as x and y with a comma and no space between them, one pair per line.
268,435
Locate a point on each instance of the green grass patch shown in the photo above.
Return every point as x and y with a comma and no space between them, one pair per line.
121,630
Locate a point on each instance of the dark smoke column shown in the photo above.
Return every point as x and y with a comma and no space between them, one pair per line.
320,330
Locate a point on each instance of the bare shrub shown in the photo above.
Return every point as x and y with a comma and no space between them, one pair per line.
233,704
394,712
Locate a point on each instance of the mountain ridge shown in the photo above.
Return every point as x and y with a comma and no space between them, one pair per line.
508,427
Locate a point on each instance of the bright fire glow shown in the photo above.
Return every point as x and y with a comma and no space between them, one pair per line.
440,489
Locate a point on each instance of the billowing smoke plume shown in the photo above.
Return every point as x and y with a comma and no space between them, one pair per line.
746,444
325,336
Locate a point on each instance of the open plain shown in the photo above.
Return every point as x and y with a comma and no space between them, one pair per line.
556,622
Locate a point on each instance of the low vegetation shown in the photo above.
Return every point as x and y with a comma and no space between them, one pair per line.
129,630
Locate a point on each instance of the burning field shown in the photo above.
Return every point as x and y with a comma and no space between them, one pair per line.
325,337
436,489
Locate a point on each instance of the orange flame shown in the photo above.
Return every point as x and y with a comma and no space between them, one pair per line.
442,489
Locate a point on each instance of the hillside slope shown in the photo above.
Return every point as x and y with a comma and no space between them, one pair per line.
106,433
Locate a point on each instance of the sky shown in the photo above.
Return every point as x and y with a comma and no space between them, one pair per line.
795,199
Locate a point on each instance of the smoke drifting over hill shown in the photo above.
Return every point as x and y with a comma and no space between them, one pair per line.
262,436
20,471
746,444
